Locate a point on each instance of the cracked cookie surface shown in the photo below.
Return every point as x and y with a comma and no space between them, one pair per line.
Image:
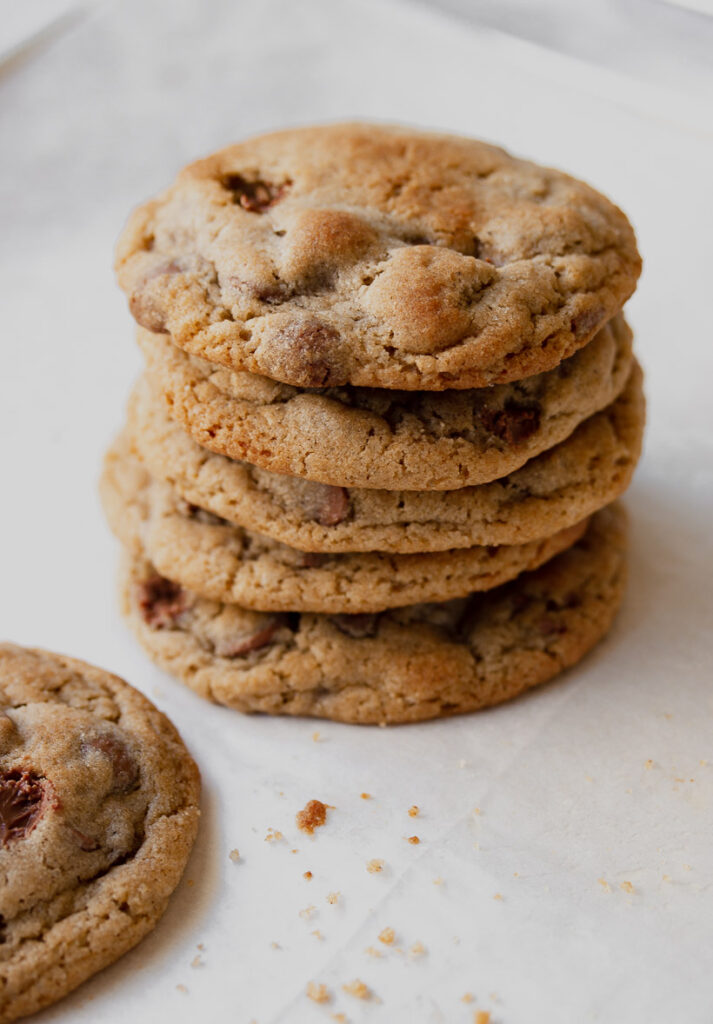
404,665
556,489
377,256
98,813
395,440
218,560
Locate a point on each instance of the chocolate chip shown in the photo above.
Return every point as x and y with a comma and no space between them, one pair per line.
327,505
311,559
238,647
124,768
587,322
22,803
160,601
308,354
550,627
358,627
514,423
254,196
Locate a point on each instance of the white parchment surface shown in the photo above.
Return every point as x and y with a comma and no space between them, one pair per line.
564,872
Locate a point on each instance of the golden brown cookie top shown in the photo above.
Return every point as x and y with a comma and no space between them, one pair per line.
377,256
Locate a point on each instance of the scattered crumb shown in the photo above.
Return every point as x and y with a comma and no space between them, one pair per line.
468,997
357,989
234,855
317,934
462,763
316,737
318,993
387,936
196,961
273,836
438,881
481,1017
498,896
294,851
200,946
366,796
190,882
687,867
333,897
308,912
627,887
476,810
181,988
703,763
374,866
307,875
275,945
604,884
665,878
371,951
414,840
648,765
413,811
418,949
313,815
340,1018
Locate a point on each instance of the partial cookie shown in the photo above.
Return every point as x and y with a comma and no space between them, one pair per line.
396,440
551,492
98,813
377,256
218,560
405,665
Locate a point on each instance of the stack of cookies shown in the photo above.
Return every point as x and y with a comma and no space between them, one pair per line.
389,399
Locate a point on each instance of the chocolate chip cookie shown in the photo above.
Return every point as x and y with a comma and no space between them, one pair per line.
395,440
560,487
228,563
98,813
377,256
404,665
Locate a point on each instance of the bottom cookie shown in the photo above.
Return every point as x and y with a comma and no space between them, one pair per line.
404,665
98,813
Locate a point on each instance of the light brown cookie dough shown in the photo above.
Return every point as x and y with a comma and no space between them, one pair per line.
98,813
377,256
218,560
405,665
551,492
396,440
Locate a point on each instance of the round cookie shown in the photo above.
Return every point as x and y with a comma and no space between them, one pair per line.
551,492
405,665
218,560
377,256
395,440
98,813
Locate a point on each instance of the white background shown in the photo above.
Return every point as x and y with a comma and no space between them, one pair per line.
99,113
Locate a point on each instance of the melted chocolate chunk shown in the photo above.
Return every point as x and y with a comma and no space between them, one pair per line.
514,423
587,322
358,627
312,559
327,505
308,355
238,647
254,196
160,601
22,802
124,768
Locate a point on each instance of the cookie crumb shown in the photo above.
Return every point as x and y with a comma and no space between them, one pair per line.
275,945
438,881
481,1017
498,896
197,961
627,887
387,936
366,796
182,988
316,737
234,855
340,1018
371,951
318,993
317,934
313,815
467,998
648,765
333,897
413,811
477,810
308,912
273,836
462,763
414,840
417,949
307,875
374,866
604,884
357,989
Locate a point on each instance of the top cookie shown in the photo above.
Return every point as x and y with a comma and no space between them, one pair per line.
377,256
